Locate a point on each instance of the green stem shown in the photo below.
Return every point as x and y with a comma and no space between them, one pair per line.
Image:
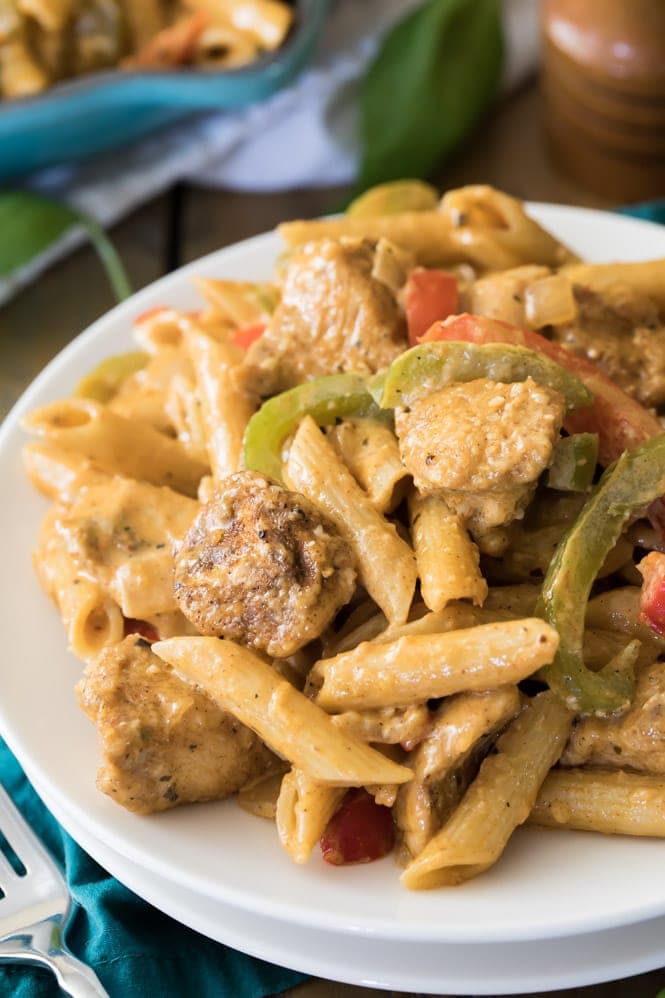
110,259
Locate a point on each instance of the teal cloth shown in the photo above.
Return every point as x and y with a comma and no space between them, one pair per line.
136,951
653,211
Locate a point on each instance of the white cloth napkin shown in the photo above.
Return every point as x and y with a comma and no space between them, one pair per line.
253,148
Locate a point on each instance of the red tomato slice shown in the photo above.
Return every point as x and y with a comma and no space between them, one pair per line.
652,600
142,627
150,314
246,335
428,295
619,420
359,832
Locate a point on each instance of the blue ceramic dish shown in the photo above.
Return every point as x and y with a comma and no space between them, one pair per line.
80,117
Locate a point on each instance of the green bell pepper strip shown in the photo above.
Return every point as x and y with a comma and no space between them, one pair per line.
327,399
626,489
104,381
574,463
431,366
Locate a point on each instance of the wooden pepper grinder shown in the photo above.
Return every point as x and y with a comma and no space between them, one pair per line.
603,82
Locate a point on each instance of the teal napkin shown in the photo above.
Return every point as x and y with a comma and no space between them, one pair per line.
136,951
653,211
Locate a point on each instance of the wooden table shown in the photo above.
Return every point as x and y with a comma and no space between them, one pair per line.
508,151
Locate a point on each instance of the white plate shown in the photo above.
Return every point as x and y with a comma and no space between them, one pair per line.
548,884
428,967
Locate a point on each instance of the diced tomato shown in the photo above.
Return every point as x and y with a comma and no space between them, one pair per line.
246,335
359,832
150,314
429,295
142,627
652,600
619,420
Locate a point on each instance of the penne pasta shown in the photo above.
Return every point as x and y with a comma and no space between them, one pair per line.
591,800
285,719
121,534
60,474
421,667
117,444
645,277
159,329
477,225
20,73
222,46
50,14
499,799
304,808
619,610
426,234
370,451
462,724
386,565
185,411
267,21
241,303
387,726
225,406
260,796
45,41
144,20
92,619
448,560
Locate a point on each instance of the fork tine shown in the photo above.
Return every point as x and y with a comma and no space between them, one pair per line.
7,872
22,840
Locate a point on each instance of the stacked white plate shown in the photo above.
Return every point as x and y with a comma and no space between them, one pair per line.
561,909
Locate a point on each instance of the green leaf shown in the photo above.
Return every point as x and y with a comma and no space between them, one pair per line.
30,223
435,74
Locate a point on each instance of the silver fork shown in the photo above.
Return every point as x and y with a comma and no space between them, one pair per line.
35,908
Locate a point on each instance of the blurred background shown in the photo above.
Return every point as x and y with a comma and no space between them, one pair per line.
185,127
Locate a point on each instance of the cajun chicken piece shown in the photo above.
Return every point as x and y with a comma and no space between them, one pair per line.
122,537
635,740
164,742
445,761
262,566
338,312
620,330
481,446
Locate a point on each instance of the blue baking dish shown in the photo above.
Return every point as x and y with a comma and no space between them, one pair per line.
89,114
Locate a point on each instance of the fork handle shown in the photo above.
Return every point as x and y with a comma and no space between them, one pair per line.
76,978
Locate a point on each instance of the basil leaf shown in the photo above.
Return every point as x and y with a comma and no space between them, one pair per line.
30,223
436,72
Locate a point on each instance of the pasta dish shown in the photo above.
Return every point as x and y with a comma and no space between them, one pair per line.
44,41
377,547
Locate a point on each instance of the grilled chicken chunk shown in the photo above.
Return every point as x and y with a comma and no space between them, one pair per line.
164,742
635,740
620,330
481,446
262,566
338,312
